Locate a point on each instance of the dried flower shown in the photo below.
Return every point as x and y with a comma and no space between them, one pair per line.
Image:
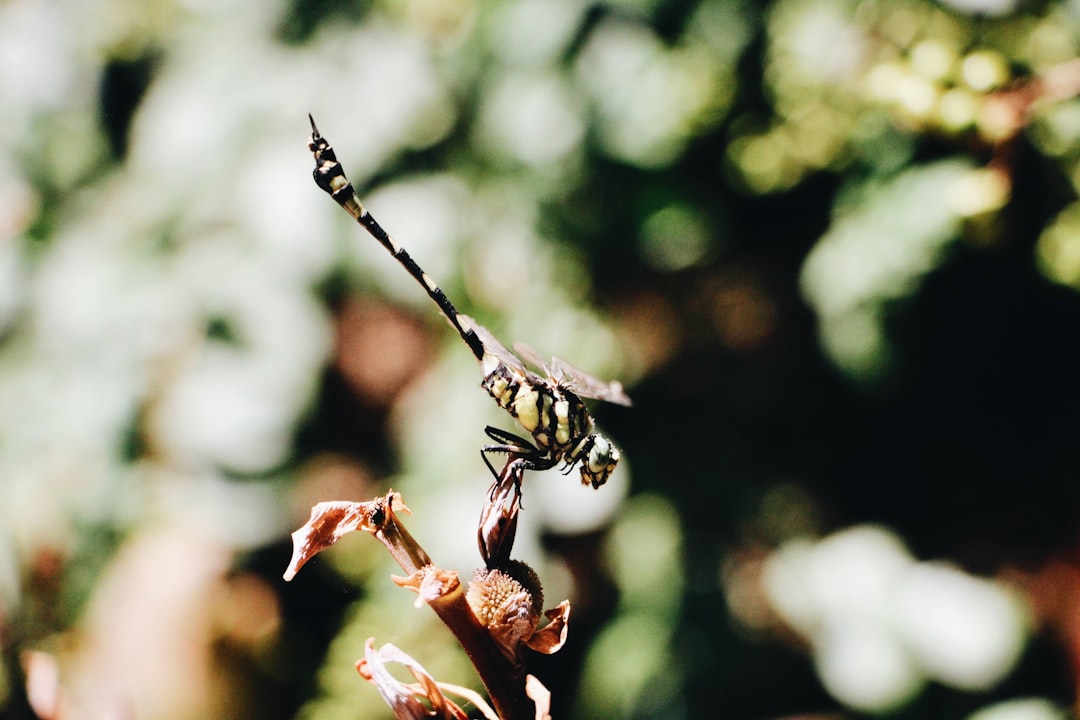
330,521
429,583
498,520
507,601
540,695
404,699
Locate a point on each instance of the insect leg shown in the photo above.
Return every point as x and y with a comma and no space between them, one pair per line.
529,455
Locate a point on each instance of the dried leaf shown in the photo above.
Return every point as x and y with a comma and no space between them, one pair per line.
472,696
404,699
330,521
552,636
429,583
42,672
540,695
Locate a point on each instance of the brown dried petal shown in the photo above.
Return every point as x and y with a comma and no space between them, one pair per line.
470,695
403,699
429,583
499,517
540,695
552,636
330,521
43,690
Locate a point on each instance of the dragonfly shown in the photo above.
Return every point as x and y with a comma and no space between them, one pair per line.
549,407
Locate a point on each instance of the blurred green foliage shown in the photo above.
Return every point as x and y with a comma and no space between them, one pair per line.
832,247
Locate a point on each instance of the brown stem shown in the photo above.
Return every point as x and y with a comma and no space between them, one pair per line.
442,591
503,680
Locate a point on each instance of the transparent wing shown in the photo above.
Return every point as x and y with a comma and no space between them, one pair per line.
529,354
576,380
585,385
493,346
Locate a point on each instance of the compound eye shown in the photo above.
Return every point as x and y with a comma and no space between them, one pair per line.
599,454
600,462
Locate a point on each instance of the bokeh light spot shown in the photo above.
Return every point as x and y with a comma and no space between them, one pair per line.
674,238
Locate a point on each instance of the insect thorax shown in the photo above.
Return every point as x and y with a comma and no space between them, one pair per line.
555,417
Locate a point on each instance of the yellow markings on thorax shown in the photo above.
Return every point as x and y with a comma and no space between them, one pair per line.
499,389
555,419
525,408
495,382
562,422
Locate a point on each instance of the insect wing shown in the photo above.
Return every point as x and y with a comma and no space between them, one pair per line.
496,348
585,385
529,355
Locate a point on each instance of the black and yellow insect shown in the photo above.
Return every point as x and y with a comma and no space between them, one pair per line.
549,408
